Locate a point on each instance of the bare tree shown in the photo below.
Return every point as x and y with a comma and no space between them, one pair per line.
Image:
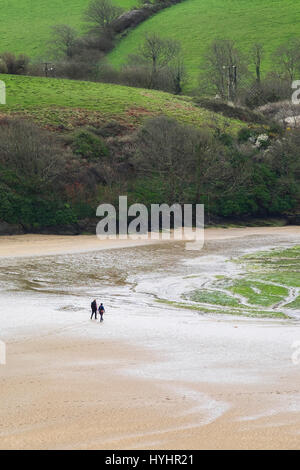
32,155
257,56
185,160
157,54
63,41
100,16
178,74
224,68
284,158
287,59
167,150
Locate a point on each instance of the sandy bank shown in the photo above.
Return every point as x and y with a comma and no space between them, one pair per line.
43,245
59,393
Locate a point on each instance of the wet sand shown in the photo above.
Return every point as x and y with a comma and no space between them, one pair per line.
56,397
44,245
131,383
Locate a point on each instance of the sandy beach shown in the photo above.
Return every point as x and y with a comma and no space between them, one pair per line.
44,245
151,376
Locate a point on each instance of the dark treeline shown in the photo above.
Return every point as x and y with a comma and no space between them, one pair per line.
48,180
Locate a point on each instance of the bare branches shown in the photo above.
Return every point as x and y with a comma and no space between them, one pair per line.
287,59
224,67
257,54
63,41
100,16
161,55
31,154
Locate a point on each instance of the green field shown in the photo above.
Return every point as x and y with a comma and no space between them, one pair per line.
196,23
25,24
65,102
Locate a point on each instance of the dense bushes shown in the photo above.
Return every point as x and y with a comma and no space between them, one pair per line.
33,211
46,180
50,180
233,177
233,112
13,65
30,159
33,171
89,146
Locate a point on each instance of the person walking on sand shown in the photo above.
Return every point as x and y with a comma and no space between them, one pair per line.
94,309
101,311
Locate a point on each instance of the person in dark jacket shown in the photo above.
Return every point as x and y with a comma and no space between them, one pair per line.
94,309
101,311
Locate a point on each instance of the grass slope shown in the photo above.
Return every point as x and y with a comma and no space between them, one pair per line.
62,102
196,23
25,24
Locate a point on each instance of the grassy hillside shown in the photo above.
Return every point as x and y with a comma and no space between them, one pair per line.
93,144
197,22
25,24
67,102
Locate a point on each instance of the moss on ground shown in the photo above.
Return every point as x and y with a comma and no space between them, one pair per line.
255,313
269,279
259,293
213,297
